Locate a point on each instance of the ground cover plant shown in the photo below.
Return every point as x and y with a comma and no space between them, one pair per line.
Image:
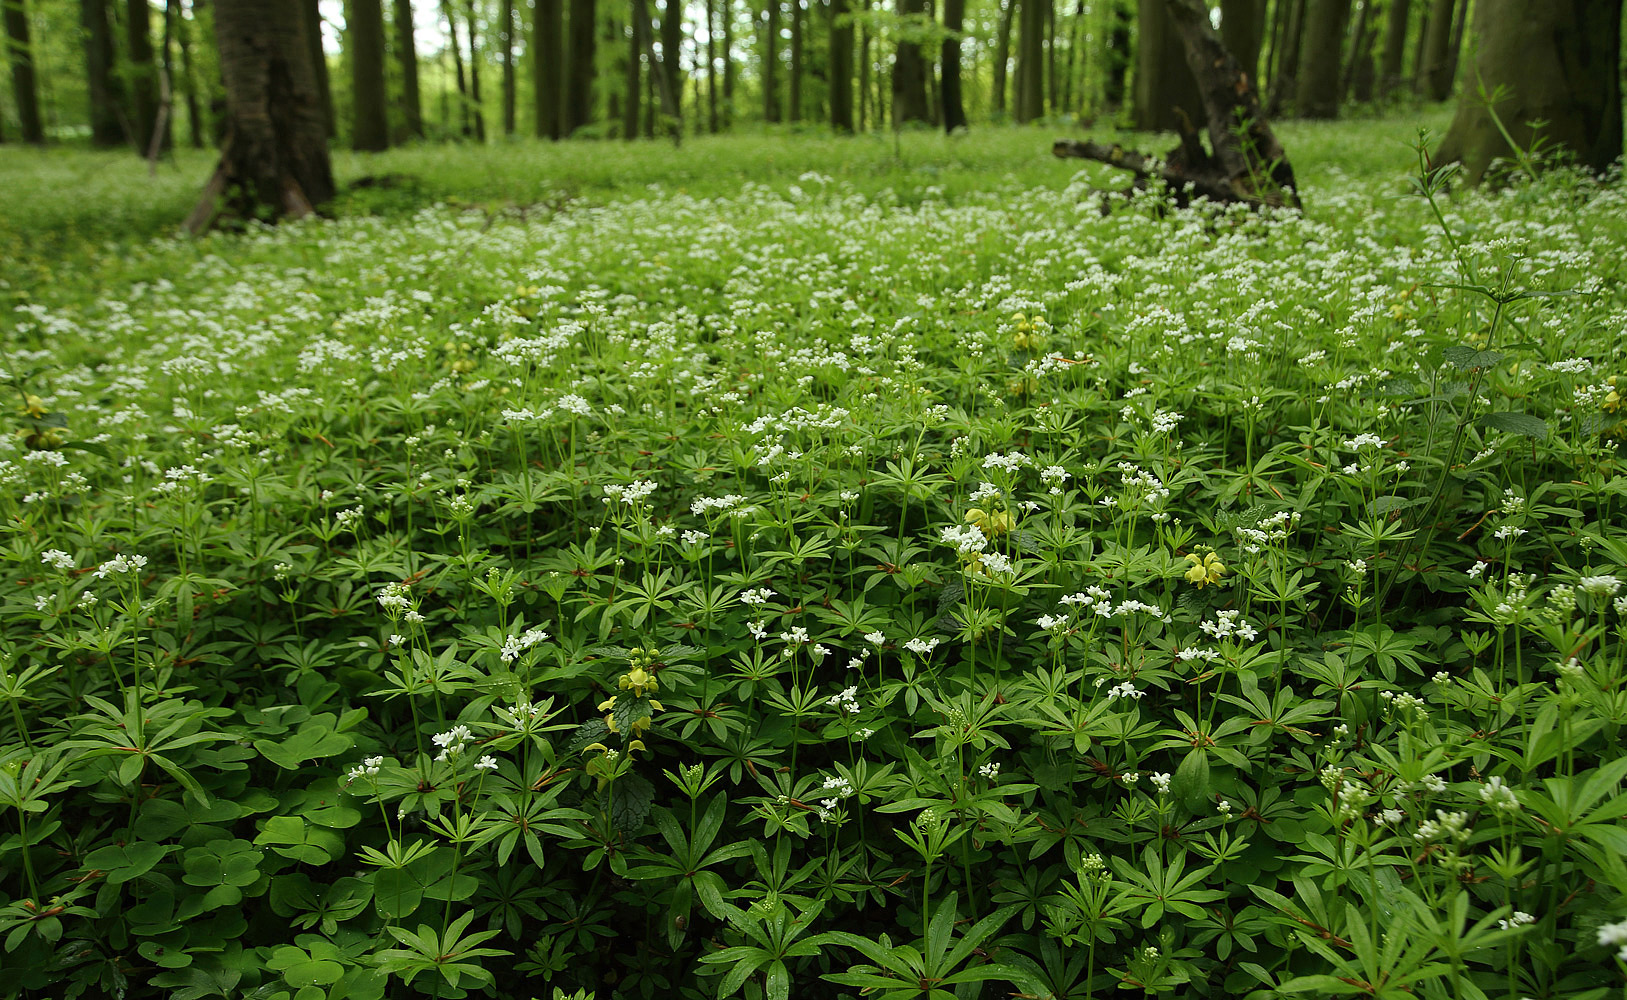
911,585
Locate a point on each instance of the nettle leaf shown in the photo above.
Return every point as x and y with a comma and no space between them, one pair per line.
1388,505
1468,358
1510,422
630,799
125,862
588,733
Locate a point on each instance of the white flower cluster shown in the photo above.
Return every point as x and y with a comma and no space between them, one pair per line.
367,768
633,493
1446,826
1125,690
1607,585
922,647
1010,462
1227,624
453,741
1611,935
1498,795
967,539
57,559
846,701
515,645
121,564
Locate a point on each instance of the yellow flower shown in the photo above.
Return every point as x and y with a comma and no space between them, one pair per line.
1205,569
991,522
638,680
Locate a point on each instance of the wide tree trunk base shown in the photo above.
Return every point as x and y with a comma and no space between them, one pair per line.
230,196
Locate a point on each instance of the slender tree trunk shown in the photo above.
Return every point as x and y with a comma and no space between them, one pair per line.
370,128
547,66
450,15
141,71
1069,100
23,88
1050,54
584,51
771,64
105,93
474,74
1031,60
274,162
505,37
163,127
1419,45
797,61
1163,82
1558,62
1284,83
635,55
909,73
194,117
728,63
1117,56
1459,21
711,66
954,105
1434,64
866,107
672,75
1317,95
406,57
841,67
1395,46
1002,53
1242,28
1359,49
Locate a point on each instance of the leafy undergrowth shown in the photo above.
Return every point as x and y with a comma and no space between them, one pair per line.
812,591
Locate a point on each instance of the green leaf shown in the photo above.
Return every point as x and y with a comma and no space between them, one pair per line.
123,863
1510,422
630,799
1468,358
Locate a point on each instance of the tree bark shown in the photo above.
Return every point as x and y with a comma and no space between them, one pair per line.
1116,58
635,56
547,32
1317,95
1459,22
728,63
312,13
1362,74
711,66
841,67
1558,62
370,124
909,70
771,63
583,51
1395,46
406,57
1166,94
1030,60
474,74
954,105
1283,83
1242,28
866,107
672,77
1002,53
103,85
23,87
505,36
798,57
274,162
194,114
450,15
142,72
1434,69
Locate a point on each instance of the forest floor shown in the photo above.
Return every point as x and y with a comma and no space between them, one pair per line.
793,566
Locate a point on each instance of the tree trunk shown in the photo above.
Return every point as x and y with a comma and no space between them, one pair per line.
23,88
1030,60
1116,58
547,32
672,77
1459,22
194,116
142,73
1434,70
866,108
312,13
797,61
1165,89
274,163
711,66
451,17
583,49
1364,75
1242,28
909,71
841,67
1283,83
1359,50
505,36
474,74
1317,93
635,57
1002,53
1395,46
105,93
954,106
1559,62
370,124
771,63
406,57
1067,100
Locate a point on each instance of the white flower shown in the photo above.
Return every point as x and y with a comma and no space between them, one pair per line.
875,637
1160,780
1498,795
121,564
486,763
1518,919
990,770
1361,441
756,597
1599,586
57,559
695,537
1125,690
453,741
922,647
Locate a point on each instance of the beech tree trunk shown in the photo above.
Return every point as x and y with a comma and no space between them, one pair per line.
797,61
370,124
474,74
547,66
583,50
672,75
1317,95
771,63
505,35
1002,53
711,66
841,67
274,161
406,57
1166,94
106,94
909,73
23,89
1559,61
1242,28
1030,60
1395,46
141,71
1116,57
728,63
954,106
1282,84
1434,67
194,114
639,27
